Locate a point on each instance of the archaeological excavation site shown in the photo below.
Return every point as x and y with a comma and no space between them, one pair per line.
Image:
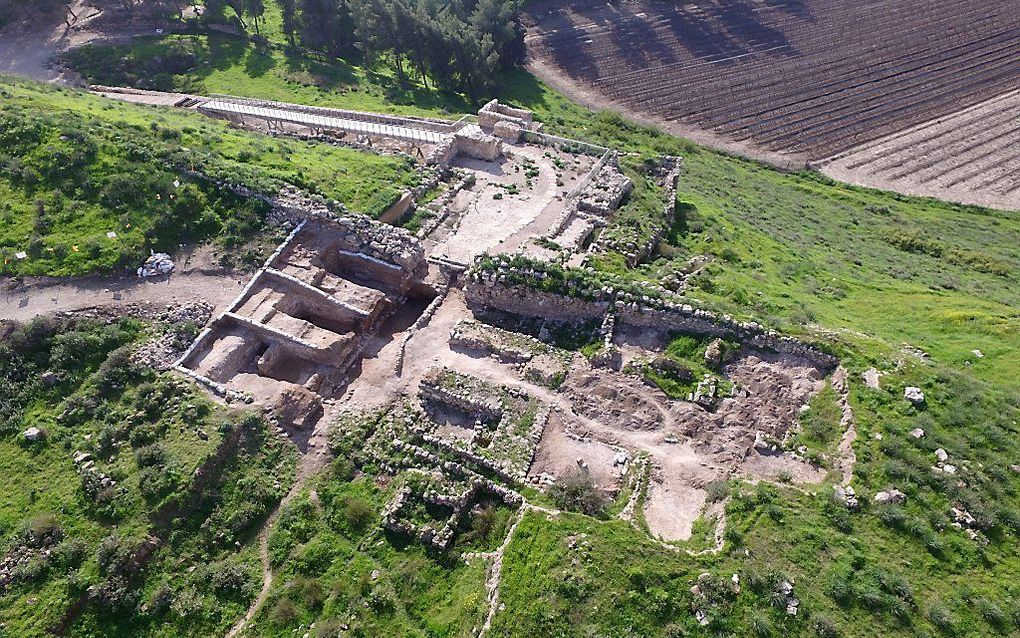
494,319
480,358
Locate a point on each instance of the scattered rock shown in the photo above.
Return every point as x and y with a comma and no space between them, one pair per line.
914,395
714,353
34,434
917,433
49,378
892,496
701,617
978,354
846,495
871,378
941,455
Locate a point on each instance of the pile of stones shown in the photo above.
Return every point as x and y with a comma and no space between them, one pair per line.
167,345
603,194
706,393
846,495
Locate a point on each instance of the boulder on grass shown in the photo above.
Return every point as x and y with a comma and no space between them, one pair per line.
914,395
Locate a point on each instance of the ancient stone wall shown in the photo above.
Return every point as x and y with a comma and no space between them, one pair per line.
493,113
483,292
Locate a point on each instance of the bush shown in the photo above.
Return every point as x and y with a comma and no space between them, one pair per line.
114,556
329,628
358,512
228,577
760,625
284,612
577,492
991,612
717,491
824,627
69,554
942,619
43,530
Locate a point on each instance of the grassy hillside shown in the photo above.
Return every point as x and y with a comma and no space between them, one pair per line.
74,167
152,533
221,63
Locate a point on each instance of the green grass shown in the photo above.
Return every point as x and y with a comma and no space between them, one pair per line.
230,65
76,167
121,415
820,425
337,566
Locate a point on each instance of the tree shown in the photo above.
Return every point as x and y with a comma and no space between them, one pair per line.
255,9
498,19
290,20
326,26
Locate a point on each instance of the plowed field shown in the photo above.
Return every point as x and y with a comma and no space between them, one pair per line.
790,81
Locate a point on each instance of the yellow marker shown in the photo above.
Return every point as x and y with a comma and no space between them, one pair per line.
74,248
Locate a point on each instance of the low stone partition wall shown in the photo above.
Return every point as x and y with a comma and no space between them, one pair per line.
463,400
494,113
485,291
358,233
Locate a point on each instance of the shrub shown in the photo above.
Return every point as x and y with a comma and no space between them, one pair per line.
760,625
69,554
228,577
156,481
892,515
483,524
114,556
329,628
154,454
114,594
358,512
577,492
43,530
991,612
284,612
824,627
717,491
942,619
839,589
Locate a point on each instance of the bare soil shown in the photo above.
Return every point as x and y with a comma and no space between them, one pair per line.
490,215
25,298
969,157
911,97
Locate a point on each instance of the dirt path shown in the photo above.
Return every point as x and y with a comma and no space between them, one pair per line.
315,448
29,52
44,296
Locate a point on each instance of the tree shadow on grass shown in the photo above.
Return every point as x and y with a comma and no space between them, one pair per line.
258,63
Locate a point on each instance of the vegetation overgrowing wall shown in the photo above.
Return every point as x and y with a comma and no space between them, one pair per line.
535,289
